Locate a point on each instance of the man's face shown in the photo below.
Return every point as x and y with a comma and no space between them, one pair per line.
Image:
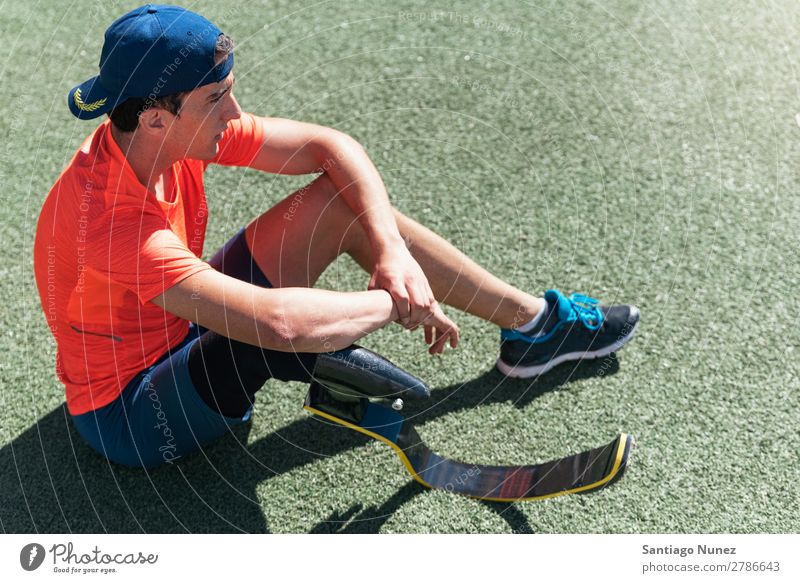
204,115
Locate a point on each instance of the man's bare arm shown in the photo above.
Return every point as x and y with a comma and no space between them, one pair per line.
294,147
285,319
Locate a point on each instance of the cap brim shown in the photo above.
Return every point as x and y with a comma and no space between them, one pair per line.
90,99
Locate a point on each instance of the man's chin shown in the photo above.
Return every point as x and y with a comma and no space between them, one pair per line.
208,154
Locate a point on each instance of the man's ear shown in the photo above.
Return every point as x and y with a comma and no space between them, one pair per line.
153,120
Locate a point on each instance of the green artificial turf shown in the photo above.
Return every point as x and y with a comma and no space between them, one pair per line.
635,151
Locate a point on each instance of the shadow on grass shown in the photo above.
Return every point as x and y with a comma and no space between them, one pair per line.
51,482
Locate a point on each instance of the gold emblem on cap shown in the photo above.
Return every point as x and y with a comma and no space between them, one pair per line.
76,97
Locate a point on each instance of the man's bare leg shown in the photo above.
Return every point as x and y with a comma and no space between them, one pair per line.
456,280
295,241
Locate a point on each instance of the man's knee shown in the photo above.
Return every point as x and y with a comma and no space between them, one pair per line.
332,208
333,203
312,200
326,185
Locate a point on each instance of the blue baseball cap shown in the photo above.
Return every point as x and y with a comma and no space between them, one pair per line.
150,52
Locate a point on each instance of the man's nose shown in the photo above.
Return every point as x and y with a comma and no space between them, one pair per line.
233,111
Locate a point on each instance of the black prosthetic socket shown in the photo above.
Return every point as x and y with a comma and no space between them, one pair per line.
356,371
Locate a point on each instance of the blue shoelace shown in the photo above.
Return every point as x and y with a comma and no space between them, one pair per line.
586,310
582,308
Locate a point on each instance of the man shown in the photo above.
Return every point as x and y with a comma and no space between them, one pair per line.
159,351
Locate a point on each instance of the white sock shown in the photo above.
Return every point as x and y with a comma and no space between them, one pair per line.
529,326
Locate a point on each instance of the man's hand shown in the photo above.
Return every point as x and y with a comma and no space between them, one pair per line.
397,272
438,330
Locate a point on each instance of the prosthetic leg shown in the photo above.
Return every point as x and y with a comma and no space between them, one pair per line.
360,389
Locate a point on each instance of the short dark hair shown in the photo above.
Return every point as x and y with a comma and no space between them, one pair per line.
125,116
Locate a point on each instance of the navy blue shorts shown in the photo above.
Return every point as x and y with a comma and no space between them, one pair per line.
159,417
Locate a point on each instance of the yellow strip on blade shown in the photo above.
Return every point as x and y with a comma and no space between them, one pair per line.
623,439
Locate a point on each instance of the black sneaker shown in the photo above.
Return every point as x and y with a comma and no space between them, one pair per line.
577,328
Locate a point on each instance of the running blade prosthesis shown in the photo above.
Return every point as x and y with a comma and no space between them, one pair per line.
360,389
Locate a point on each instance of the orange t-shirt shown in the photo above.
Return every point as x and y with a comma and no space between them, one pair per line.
105,246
